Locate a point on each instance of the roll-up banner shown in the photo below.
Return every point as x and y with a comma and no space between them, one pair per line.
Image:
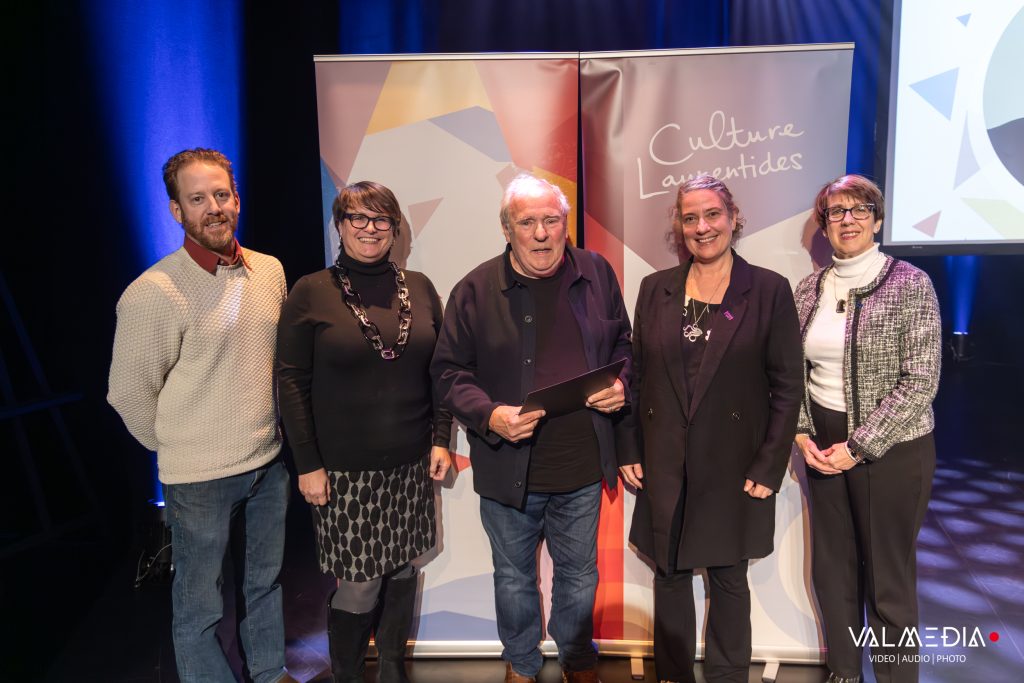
447,133
772,123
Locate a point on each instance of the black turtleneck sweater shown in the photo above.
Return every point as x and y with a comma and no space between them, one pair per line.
344,407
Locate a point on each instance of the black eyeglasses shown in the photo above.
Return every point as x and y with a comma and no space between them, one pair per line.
858,211
360,221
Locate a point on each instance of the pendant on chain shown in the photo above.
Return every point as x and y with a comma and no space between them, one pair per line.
692,332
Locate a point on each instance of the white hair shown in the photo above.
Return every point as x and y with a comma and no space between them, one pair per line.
525,184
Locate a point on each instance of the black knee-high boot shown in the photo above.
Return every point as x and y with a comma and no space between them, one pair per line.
392,635
348,635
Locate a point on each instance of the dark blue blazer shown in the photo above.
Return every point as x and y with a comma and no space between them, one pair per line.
485,358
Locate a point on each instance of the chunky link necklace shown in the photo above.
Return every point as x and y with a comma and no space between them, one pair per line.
370,331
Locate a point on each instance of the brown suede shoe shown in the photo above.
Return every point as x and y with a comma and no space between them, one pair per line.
588,676
512,677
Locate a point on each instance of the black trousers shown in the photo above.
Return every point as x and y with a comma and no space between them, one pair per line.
864,526
727,640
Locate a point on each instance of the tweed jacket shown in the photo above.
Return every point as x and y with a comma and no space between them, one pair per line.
891,356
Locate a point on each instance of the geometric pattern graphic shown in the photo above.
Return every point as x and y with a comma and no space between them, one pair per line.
420,213
1008,142
957,127
477,127
418,90
446,135
928,225
1006,218
967,165
470,609
344,109
476,102
538,136
328,191
938,91
1004,101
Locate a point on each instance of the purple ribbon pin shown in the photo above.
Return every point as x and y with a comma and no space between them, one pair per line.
728,315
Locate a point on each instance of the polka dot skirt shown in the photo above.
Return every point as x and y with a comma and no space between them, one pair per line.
376,521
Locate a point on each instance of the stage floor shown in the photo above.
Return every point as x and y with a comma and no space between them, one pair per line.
970,554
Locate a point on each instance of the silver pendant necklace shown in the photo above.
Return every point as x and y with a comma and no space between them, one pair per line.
692,331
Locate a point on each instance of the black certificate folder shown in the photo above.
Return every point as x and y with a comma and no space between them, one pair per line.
571,395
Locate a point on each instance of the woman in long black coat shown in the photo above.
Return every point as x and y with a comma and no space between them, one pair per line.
717,384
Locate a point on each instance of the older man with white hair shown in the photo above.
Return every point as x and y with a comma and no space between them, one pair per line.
538,314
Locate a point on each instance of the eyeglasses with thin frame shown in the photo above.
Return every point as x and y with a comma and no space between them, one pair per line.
530,224
360,221
858,211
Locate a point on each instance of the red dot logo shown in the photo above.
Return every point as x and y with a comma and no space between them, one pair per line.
994,637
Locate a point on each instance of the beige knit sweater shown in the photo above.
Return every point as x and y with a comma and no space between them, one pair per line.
192,369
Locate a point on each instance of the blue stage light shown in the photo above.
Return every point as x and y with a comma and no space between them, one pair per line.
962,272
170,77
158,488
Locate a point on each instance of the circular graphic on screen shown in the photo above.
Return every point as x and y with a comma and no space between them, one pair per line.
1004,101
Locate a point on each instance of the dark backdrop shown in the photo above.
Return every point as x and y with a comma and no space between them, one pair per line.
66,260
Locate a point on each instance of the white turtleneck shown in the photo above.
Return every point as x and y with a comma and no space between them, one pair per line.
826,335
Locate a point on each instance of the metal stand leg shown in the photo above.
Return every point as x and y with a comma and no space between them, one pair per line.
636,668
771,671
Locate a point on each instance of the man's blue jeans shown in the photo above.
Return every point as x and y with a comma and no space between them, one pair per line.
200,516
569,523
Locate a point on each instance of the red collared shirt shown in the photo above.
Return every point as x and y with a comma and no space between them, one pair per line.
209,260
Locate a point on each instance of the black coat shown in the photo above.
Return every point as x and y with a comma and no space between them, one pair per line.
484,359
739,424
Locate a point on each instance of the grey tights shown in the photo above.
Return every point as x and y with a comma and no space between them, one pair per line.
360,597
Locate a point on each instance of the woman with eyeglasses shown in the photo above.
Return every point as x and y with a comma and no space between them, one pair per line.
871,337
716,390
354,348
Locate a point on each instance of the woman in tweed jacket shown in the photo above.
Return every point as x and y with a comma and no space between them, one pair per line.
871,334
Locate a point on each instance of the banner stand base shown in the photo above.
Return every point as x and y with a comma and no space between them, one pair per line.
636,668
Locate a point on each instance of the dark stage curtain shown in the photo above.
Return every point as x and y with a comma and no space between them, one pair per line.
529,25
863,22
397,26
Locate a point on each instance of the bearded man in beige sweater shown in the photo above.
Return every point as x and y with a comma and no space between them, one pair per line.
192,378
